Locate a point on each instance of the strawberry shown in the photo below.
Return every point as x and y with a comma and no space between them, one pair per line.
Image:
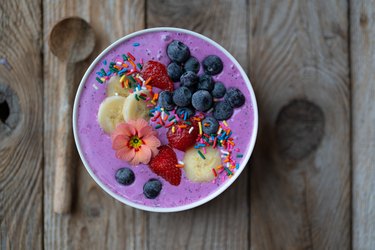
158,73
164,165
181,139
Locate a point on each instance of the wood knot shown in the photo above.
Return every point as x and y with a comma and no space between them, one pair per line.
299,129
9,110
363,20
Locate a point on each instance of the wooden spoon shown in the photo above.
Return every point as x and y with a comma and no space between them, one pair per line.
71,40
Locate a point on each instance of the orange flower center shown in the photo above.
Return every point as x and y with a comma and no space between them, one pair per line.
135,142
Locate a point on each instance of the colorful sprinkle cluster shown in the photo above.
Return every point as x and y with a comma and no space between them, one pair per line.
222,139
128,71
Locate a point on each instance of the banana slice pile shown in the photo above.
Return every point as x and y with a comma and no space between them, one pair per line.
121,105
198,169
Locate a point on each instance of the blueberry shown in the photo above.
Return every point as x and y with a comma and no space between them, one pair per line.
174,71
192,89
212,65
125,176
178,52
206,82
202,100
189,79
222,110
219,90
182,96
210,125
188,110
152,188
166,100
192,64
235,97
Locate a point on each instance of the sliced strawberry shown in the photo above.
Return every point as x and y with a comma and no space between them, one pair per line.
164,165
158,73
181,139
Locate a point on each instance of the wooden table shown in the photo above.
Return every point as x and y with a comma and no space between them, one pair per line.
310,183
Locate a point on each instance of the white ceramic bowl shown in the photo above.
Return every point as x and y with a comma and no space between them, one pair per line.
222,187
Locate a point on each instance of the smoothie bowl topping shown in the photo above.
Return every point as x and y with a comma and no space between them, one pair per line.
141,97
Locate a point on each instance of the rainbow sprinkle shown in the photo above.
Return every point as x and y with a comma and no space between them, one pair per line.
224,141
99,80
201,155
214,172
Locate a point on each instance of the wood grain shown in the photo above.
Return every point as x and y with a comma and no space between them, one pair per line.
21,128
362,37
300,186
97,221
298,195
222,223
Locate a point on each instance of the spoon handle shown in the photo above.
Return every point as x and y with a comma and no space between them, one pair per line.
64,164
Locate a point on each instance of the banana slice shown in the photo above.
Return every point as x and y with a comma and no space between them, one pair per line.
198,169
110,113
135,107
114,87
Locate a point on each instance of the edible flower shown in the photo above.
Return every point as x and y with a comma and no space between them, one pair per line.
135,142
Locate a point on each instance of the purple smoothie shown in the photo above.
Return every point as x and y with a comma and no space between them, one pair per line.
96,146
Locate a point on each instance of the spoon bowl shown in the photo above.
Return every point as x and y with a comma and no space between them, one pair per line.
72,40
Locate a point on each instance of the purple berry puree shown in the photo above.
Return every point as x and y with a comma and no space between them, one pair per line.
96,146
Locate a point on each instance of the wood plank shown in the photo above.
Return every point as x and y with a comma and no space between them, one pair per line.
21,125
362,37
300,179
222,223
97,220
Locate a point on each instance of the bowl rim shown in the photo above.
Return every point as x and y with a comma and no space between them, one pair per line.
222,187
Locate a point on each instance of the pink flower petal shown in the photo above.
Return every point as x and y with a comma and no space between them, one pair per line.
145,154
146,131
153,143
120,142
154,151
139,124
124,129
125,154
142,156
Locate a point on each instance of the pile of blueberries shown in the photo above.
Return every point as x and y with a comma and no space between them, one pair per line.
197,93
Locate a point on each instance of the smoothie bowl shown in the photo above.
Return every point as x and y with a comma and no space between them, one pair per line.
165,119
